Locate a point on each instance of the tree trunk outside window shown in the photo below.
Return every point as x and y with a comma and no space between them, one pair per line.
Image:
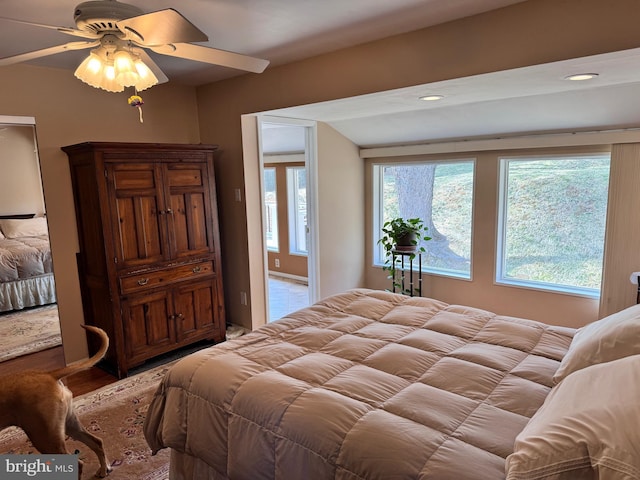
414,186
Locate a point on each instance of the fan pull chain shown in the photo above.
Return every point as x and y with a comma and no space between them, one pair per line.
136,101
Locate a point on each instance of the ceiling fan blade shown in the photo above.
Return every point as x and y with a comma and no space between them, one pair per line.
144,56
213,56
25,57
161,27
67,30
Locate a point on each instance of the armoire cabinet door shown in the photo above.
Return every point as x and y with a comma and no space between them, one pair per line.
138,220
196,310
187,187
148,325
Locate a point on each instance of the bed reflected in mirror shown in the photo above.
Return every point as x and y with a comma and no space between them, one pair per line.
29,319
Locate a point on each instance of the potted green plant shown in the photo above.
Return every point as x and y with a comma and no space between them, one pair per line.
402,236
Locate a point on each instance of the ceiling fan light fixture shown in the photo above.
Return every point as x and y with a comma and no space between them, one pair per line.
146,77
90,70
125,31
108,81
126,73
93,64
115,72
110,73
95,72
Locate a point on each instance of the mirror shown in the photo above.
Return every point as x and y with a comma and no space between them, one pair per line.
29,321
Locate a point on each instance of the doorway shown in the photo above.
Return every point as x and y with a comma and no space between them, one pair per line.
286,166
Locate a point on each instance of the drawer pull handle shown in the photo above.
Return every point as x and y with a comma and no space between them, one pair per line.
197,269
142,282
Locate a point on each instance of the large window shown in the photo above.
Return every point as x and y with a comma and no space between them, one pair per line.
271,209
297,204
551,225
441,194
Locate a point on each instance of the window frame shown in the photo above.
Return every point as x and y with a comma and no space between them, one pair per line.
294,225
275,226
378,209
501,229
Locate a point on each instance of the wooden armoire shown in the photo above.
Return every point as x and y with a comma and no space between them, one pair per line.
149,260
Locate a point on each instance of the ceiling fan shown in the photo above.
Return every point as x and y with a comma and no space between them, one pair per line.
119,33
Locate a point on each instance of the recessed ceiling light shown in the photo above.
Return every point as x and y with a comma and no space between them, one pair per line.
581,76
432,98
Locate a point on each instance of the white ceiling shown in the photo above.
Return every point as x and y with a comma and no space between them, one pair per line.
526,100
522,101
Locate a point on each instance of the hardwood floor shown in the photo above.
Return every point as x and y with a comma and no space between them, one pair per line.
79,384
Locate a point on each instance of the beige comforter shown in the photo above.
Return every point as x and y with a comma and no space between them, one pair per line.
24,258
362,385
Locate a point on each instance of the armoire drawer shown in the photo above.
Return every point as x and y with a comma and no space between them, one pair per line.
159,278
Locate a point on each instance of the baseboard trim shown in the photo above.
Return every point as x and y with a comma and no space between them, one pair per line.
289,276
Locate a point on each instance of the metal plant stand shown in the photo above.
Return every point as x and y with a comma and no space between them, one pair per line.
407,280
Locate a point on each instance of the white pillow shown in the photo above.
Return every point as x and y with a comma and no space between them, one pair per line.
28,227
610,338
587,428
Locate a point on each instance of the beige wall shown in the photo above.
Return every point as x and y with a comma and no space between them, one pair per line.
528,33
341,225
20,185
622,255
67,112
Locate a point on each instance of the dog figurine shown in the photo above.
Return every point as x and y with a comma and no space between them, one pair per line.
40,404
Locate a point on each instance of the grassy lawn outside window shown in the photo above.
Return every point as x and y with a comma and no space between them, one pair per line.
551,226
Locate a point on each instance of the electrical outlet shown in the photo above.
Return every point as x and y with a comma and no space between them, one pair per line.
238,195
277,263
243,298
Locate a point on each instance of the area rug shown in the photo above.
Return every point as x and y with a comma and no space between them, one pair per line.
116,414
29,331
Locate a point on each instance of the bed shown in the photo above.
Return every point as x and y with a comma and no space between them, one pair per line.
26,270
375,385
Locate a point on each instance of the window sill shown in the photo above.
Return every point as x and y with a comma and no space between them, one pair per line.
550,288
